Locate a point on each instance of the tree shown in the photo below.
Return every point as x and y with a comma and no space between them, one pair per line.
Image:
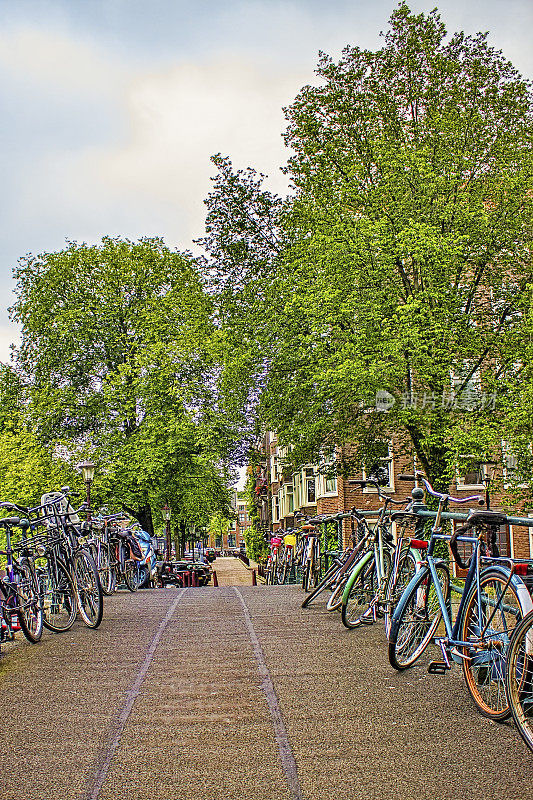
406,266
118,354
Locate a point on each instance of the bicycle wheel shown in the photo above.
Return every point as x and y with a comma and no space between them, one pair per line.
359,591
335,599
417,617
88,589
396,585
58,596
30,611
105,571
131,574
325,583
519,678
488,622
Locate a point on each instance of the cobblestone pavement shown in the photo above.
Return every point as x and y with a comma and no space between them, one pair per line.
237,693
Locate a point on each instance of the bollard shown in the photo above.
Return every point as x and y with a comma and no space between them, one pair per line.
194,581
254,578
215,579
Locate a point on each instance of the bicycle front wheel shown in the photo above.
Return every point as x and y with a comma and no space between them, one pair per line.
88,589
30,611
519,678
488,623
396,585
360,589
417,617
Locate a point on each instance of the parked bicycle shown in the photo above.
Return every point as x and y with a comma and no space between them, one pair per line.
20,596
494,599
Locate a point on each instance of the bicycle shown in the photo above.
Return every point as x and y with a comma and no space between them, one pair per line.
66,549
286,561
311,554
363,597
493,601
20,595
271,570
336,576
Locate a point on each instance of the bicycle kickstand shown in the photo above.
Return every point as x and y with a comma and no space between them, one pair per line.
440,667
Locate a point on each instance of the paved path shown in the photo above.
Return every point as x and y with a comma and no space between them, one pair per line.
237,693
232,571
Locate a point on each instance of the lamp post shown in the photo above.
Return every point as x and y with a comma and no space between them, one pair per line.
87,470
166,516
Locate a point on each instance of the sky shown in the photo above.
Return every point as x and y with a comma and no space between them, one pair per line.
112,109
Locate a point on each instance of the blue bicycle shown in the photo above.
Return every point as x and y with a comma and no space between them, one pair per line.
494,600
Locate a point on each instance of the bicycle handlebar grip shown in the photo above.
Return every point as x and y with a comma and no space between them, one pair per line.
403,477
355,482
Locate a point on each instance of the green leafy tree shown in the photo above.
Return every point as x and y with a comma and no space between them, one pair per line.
118,354
405,263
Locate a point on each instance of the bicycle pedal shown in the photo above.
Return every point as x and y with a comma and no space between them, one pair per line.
438,667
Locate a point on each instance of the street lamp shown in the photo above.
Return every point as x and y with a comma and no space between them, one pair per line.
166,516
87,470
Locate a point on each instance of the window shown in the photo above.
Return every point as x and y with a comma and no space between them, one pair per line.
242,518
516,465
472,473
380,466
327,477
287,500
311,490
275,508
465,388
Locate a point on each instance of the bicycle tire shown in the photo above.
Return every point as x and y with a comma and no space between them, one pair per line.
395,587
484,668
31,613
131,574
323,584
417,617
334,601
58,596
105,570
88,589
519,678
360,588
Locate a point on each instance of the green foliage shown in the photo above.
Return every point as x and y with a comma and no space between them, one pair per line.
119,355
28,469
256,547
401,263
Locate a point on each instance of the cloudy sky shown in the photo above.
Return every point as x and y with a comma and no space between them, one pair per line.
111,109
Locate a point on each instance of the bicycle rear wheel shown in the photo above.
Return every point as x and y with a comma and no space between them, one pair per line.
30,611
488,622
58,596
519,678
105,571
88,589
131,574
417,617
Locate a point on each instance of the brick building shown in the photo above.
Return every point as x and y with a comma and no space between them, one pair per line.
317,489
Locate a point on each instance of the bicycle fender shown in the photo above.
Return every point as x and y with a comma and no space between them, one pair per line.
359,565
517,583
417,578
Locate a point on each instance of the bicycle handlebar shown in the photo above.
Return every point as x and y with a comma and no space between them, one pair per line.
381,494
14,507
440,495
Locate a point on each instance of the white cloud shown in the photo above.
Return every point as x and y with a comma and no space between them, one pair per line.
55,61
181,116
